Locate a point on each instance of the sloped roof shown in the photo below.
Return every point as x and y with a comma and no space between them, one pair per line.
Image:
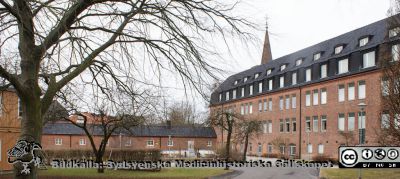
376,31
138,131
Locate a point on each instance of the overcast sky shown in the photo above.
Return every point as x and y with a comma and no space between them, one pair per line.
297,24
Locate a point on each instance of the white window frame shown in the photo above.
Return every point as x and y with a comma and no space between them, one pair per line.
362,90
320,149
270,84
245,79
317,56
242,92
234,94
82,141
315,97
351,94
150,143
170,143
341,93
338,49
385,87
315,125
265,127
220,97
227,96
251,90
281,103
270,127
363,41
287,102
281,81
269,71
260,87
209,143
256,75
127,142
323,120
299,62
308,98
251,108
394,32
58,141
369,59
324,71
341,122
385,121
294,78
343,66
294,101
324,96
396,52
309,148
270,104
308,74
283,67
351,118
362,119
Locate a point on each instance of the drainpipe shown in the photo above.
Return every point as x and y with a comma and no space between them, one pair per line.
300,123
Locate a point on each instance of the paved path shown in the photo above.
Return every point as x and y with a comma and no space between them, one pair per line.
277,173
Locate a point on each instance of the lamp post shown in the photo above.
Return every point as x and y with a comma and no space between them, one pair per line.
361,130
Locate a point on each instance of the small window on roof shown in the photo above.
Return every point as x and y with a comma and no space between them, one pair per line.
394,32
236,82
338,49
363,41
269,71
299,61
317,56
244,79
256,75
283,67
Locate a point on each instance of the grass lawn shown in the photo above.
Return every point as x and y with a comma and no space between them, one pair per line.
164,173
336,173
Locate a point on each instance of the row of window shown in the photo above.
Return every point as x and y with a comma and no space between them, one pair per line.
315,93
282,148
149,143
343,67
337,50
288,99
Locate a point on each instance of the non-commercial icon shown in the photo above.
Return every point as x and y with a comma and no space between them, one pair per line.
380,154
367,154
393,154
349,157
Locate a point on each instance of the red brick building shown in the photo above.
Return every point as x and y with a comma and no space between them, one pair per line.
310,101
10,125
170,140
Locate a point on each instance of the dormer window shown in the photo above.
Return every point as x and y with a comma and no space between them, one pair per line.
363,41
338,49
283,67
317,56
394,32
299,61
269,71
227,96
256,75
244,79
220,97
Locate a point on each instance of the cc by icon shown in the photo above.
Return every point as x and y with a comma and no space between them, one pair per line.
349,157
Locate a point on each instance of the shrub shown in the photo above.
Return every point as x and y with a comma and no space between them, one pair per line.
116,155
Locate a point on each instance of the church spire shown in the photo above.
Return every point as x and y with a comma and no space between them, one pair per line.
266,55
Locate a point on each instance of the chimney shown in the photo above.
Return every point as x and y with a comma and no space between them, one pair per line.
169,124
266,55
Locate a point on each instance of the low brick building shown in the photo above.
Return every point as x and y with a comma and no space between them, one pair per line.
10,125
170,140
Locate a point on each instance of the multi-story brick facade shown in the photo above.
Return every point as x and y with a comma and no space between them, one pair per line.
311,100
10,125
174,140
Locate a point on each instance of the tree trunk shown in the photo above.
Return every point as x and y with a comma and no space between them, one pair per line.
31,131
228,147
246,143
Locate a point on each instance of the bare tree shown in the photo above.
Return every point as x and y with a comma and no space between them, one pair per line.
182,113
279,142
245,130
225,120
104,125
47,44
348,137
389,134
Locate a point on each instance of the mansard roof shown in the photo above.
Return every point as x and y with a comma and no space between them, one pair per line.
375,31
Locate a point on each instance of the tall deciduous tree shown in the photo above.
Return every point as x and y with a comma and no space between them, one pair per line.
47,44
245,130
